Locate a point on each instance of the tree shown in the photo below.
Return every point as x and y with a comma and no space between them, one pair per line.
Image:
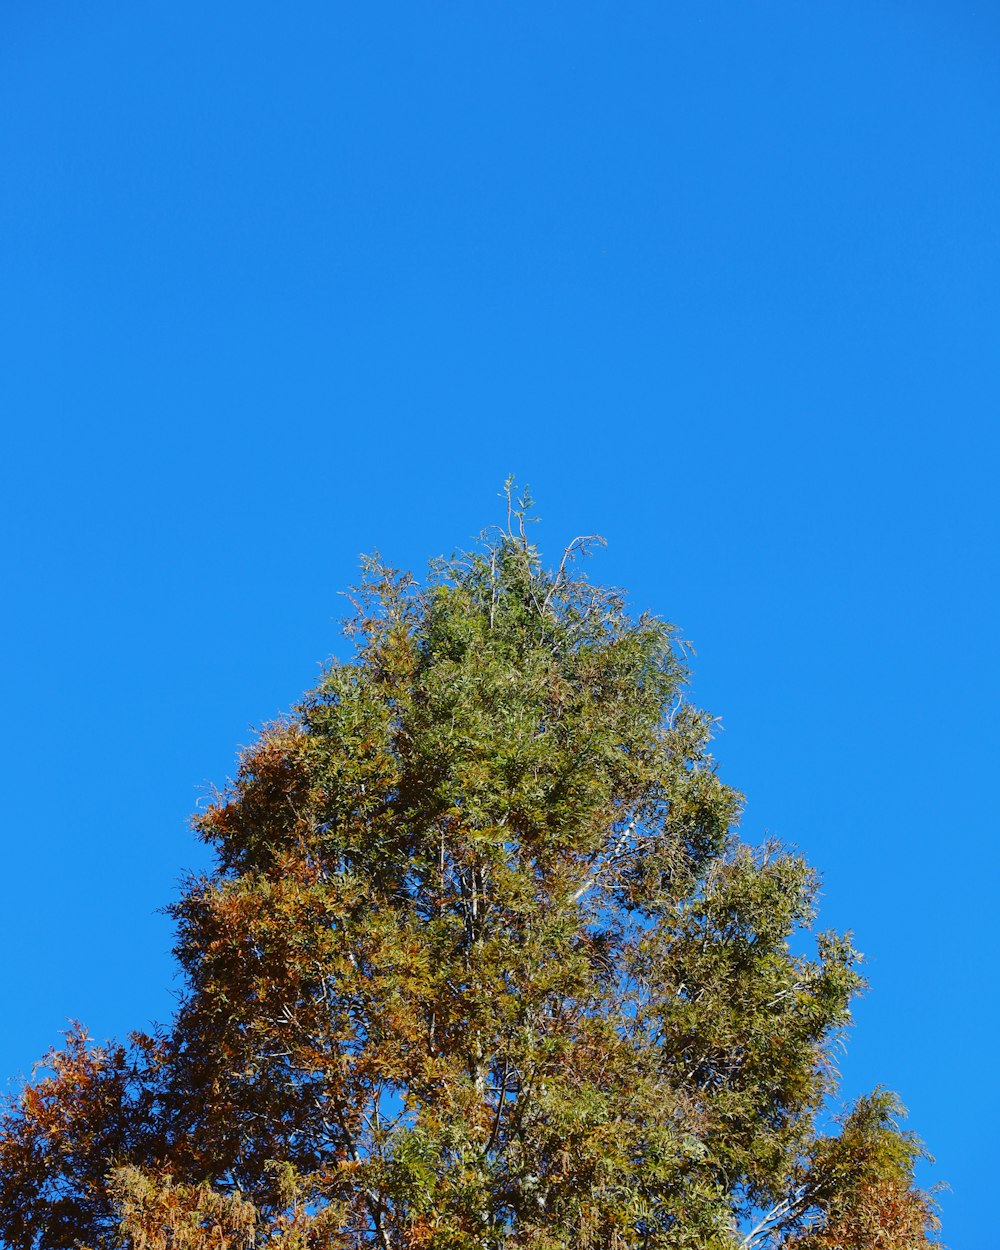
480,964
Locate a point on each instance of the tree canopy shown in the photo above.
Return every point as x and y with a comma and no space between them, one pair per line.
481,964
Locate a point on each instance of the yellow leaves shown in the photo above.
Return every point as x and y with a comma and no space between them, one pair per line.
157,1214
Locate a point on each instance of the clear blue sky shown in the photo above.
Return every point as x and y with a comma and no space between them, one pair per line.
283,283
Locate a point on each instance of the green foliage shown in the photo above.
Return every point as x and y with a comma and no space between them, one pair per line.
481,964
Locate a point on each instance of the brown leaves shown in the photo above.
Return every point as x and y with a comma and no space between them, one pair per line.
157,1214
881,1215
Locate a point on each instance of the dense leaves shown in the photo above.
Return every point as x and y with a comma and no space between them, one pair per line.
481,964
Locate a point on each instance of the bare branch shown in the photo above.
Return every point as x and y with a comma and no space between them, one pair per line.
616,853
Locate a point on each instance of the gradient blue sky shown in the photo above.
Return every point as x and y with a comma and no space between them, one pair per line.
280,284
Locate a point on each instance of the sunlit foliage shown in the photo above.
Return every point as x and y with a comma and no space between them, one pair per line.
480,964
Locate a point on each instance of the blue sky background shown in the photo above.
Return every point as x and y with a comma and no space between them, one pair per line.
281,284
